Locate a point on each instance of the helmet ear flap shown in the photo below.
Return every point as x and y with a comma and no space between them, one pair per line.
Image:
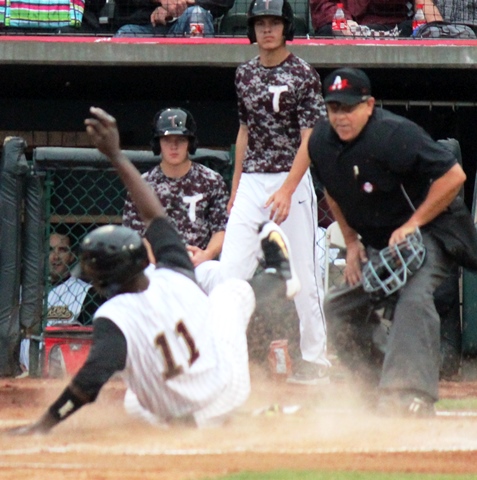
289,30
155,143
251,33
251,23
192,129
193,144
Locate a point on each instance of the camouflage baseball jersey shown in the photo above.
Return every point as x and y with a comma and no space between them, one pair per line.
275,104
196,203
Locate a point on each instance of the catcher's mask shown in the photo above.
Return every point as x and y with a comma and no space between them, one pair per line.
271,8
111,256
389,272
174,121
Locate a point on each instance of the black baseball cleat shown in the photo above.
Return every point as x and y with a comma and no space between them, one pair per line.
276,253
308,373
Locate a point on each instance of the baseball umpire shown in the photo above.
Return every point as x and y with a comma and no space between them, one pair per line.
384,178
177,355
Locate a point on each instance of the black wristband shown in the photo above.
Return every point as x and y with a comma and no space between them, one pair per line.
66,404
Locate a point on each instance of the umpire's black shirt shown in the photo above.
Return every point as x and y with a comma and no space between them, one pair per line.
364,176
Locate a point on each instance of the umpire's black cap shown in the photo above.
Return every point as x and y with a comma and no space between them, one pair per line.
347,85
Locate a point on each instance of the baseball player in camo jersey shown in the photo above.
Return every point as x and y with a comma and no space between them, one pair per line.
194,196
169,340
279,101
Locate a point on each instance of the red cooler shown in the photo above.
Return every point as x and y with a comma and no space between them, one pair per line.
65,349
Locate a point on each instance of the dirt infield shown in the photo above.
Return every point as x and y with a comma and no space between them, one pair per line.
312,428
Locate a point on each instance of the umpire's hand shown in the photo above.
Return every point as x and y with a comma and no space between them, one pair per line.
104,133
355,257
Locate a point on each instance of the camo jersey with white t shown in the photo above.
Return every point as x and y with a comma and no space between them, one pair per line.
196,203
276,104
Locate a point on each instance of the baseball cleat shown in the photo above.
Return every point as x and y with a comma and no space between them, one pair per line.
276,252
406,404
307,373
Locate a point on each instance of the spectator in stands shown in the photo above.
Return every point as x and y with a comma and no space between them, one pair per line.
431,10
107,17
194,196
174,17
376,15
70,300
458,11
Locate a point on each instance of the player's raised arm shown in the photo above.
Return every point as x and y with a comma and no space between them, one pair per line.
103,130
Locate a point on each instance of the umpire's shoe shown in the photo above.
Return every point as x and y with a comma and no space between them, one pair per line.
405,404
276,253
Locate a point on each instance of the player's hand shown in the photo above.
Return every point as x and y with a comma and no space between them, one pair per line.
103,132
197,255
40,427
355,257
32,429
280,203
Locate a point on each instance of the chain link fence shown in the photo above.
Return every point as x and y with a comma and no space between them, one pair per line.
80,191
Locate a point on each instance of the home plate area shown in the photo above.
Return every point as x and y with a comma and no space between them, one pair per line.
280,427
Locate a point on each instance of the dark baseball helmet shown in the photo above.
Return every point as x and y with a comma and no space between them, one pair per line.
110,256
271,8
173,121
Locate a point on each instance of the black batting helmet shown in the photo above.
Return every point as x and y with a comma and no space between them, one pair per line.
271,8
173,121
110,256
